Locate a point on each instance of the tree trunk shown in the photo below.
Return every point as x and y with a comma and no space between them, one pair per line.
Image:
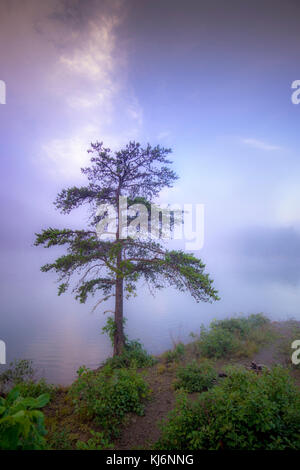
119,340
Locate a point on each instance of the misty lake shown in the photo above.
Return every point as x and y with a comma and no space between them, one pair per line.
60,335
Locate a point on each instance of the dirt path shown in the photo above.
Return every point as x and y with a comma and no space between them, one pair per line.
143,431
272,354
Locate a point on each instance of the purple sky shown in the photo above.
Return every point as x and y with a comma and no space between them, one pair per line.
211,79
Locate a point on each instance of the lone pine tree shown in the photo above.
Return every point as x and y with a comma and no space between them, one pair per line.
114,265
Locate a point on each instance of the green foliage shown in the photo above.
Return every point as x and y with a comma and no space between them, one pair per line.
133,356
246,411
59,440
196,377
19,371
241,326
21,421
97,442
217,343
107,395
110,328
175,354
34,389
240,336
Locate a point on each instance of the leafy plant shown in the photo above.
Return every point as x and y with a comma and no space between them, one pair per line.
175,354
240,336
245,411
21,421
241,326
34,389
196,377
217,343
133,355
110,329
107,395
20,370
97,442
59,440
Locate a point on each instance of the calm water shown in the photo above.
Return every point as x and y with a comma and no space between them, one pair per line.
59,340
60,335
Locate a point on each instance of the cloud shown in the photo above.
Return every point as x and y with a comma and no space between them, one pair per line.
259,144
164,135
65,157
74,78
94,58
90,78
83,79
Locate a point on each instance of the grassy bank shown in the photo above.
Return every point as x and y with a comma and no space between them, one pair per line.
222,390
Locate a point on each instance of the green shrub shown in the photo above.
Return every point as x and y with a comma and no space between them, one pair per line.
20,370
21,421
34,389
241,326
240,336
59,440
134,355
257,320
175,354
245,411
217,343
110,329
196,377
97,442
107,395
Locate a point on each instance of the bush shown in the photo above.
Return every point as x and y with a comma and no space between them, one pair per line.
175,354
134,356
59,440
19,371
34,389
240,336
196,377
21,422
217,343
108,395
241,326
246,411
97,442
